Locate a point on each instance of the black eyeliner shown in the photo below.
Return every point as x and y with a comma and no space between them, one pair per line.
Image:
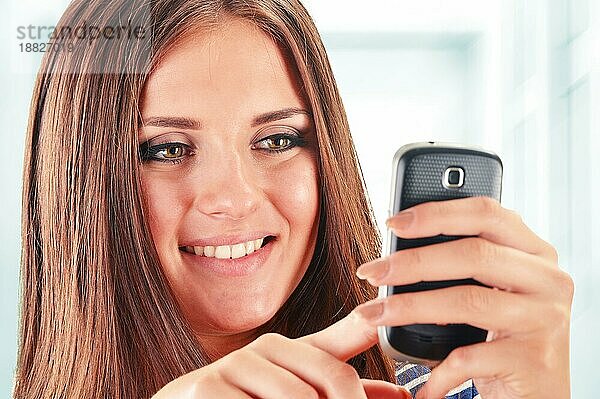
147,152
143,150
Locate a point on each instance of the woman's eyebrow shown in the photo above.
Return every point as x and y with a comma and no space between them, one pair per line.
178,122
195,124
277,115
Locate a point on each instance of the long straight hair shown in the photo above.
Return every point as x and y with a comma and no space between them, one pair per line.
98,318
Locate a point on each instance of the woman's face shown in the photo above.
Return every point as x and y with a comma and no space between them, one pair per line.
230,157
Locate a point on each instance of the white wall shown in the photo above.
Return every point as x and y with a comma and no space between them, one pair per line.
520,77
397,95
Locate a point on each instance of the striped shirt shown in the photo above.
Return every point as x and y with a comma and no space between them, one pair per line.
413,376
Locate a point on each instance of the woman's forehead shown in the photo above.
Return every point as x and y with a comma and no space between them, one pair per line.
231,64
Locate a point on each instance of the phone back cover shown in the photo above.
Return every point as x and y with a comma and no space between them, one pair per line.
419,179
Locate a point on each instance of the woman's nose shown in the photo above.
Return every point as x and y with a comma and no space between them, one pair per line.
228,188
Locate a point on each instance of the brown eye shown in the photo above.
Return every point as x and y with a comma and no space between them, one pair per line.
284,139
167,152
173,151
278,142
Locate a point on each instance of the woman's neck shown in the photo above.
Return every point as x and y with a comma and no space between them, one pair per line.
218,346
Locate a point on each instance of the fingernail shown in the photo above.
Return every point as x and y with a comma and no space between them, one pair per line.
370,311
406,394
375,269
401,221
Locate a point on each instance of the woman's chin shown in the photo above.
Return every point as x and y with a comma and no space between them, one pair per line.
238,319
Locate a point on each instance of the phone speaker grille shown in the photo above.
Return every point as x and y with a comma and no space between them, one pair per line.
424,175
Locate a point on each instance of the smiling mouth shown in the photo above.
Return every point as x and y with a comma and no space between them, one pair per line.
228,251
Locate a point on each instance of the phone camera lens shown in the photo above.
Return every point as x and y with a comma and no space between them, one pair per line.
454,177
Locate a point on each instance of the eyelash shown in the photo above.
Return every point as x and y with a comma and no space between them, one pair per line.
148,153
295,141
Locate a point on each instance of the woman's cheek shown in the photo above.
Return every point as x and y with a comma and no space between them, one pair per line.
298,192
165,210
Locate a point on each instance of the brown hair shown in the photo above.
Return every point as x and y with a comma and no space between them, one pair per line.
98,318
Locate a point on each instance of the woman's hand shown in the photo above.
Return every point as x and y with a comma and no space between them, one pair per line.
273,366
528,314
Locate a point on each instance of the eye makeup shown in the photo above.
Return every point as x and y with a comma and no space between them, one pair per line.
292,136
284,139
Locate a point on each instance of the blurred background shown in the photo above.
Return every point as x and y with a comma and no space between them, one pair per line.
518,77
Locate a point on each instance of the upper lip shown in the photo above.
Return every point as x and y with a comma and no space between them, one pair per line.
228,239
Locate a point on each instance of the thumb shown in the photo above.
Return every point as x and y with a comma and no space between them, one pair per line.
376,389
346,338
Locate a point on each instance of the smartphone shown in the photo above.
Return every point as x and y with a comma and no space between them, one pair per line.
424,172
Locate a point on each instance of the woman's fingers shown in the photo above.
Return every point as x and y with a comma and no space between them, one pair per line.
527,311
475,216
327,374
481,307
344,339
376,389
497,360
473,257
219,391
201,384
274,366
274,382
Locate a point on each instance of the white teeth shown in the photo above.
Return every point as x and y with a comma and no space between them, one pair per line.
249,247
238,250
223,252
227,251
209,251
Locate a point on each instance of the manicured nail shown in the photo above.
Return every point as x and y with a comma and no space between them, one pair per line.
401,221
370,311
375,269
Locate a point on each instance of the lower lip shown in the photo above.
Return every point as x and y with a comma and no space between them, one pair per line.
232,267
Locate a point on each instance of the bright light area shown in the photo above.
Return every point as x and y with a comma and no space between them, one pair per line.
519,77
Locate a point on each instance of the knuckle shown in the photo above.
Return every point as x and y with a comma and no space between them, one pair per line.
552,254
482,251
565,284
459,357
439,209
340,373
516,216
301,390
560,318
403,301
266,340
475,299
346,371
411,257
232,359
546,353
548,360
203,385
198,389
556,318
489,208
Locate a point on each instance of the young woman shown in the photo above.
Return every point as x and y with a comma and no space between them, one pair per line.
194,220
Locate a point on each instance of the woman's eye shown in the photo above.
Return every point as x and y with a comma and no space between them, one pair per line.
280,142
176,152
167,152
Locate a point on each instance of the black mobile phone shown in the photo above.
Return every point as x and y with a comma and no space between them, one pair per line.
424,172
